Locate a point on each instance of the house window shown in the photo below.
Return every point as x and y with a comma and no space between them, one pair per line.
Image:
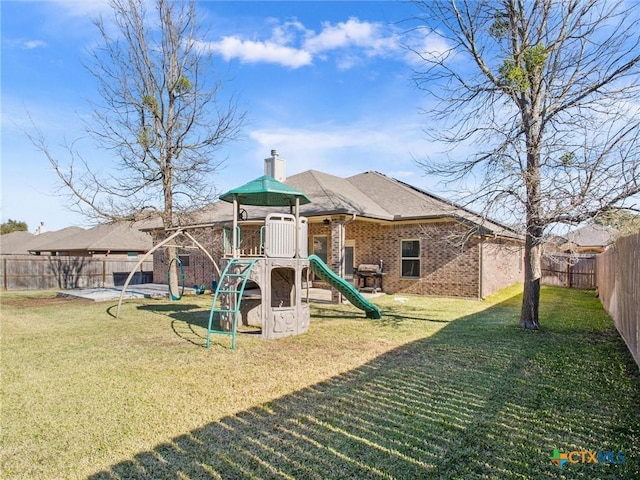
320,249
410,259
184,259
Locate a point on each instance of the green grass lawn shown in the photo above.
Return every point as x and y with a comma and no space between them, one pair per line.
438,388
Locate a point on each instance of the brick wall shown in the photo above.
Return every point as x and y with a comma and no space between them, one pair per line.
502,263
446,268
200,269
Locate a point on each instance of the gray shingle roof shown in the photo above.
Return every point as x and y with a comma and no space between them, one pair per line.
123,237
369,194
331,194
406,202
400,199
20,243
15,243
591,236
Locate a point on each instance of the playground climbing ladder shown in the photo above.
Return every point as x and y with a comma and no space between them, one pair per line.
229,292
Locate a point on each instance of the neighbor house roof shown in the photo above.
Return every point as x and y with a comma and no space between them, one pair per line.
115,237
369,195
15,243
21,243
592,235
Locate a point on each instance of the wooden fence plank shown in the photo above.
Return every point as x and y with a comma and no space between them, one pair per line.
30,272
566,270
619,288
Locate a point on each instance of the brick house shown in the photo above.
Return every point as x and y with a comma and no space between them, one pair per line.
425,244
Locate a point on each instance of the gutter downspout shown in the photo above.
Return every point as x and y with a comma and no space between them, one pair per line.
481,269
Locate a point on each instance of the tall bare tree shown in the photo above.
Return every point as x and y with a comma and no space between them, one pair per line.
547,94
160,112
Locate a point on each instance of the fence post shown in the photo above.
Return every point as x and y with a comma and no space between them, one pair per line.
5,284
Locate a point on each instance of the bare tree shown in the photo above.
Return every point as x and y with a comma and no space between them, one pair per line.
160,112
547,94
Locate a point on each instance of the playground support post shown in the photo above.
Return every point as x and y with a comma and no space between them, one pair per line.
297,234
133,271
234,233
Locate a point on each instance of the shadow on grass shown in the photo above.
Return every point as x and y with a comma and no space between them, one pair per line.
190,322
390,315
479,399
161,308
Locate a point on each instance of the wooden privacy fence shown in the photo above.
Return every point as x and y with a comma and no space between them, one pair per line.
569,270
30,272
619,288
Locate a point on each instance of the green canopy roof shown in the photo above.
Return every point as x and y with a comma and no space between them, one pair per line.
266,191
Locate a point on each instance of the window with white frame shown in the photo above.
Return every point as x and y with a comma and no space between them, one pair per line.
410,258
184,257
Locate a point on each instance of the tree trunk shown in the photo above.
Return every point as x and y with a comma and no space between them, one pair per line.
532,273
529,318
173,272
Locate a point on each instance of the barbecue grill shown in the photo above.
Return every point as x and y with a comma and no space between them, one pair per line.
369,276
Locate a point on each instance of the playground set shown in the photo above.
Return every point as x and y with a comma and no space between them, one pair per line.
264,287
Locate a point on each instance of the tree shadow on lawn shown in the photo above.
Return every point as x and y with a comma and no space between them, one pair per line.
478,399
190,322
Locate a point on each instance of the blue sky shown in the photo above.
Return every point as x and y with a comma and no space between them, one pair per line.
327,84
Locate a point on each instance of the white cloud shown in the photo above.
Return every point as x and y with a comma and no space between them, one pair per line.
430,46
31,44
386,145
288,32
250,51
341,35
292,45
371,38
